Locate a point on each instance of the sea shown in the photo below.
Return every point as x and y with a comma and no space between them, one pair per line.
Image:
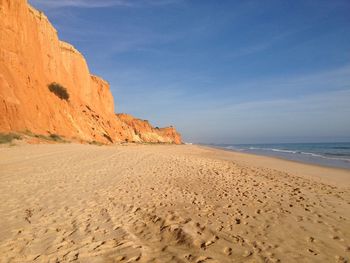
326,154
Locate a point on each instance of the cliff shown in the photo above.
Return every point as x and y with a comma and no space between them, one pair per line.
31,58
143,131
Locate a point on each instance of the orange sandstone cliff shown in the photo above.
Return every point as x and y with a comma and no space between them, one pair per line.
145,132
32,57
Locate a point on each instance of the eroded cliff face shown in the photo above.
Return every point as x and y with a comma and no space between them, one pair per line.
143,131
32,57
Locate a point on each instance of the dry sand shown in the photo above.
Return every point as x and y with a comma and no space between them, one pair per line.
62,203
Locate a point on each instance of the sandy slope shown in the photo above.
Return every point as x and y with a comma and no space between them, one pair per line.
62,203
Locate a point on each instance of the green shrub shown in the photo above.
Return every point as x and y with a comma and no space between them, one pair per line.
9,137
59,91
40,136
55,137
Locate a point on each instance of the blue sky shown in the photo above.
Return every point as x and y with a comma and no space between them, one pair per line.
220,71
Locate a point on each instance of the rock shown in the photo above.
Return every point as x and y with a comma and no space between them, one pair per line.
143,131
31,58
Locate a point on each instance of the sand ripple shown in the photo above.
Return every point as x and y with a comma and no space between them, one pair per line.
76,203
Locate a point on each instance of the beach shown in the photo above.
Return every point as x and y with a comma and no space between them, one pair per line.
168,203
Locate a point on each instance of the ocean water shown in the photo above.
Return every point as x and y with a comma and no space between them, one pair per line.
327,154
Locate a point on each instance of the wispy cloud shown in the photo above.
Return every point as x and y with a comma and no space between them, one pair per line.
291,85
99,4
314,115
80,3
267,43
311,118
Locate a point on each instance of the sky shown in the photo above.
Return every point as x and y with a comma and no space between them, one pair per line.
220,71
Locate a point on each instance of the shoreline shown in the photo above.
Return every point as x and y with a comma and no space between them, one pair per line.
341,176
300,160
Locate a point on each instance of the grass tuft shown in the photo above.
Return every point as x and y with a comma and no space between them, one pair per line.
96,143
51,137
8,137
55,137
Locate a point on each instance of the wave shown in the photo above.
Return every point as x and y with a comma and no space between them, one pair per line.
316,155
272,149
229,147
284,151
336,154
233,148
326,157
341,147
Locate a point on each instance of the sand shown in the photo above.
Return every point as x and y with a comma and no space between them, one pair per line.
82,203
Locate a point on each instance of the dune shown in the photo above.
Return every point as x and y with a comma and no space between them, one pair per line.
167,203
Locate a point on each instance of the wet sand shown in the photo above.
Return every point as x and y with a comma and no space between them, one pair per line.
83,203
